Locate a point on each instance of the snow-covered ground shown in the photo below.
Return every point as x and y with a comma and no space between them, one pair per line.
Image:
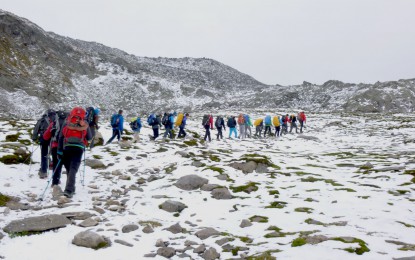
317,186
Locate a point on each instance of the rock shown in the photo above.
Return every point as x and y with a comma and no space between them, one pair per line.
210,254
308,137
207,232
405,258
125,144
200,249
221,194
81,215
129,228
261,168
390,169
313,240
90,222
247,167
161,243
222,177
148,229
166,252
56,192
245,223
150,255
183,154
175,229
35,224
1,236
190,243
184,255
209,187
122,242
172,206
63,200
191,182
15,205
21,151
90,239
98,139
153,178
198,164
95,164
222,241
367,165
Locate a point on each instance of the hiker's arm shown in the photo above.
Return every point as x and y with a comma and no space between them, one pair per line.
48,133
36,131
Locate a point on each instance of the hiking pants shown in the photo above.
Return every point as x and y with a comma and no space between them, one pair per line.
267,130
155,133
294,125
301,126
44,152
242,131
115,133
233,130
277,130
258,130
219,134
72,157
248,129
93,133
284,129
168,132
207,133
57,167
182,133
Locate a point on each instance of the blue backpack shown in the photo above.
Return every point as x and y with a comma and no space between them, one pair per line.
115,120
151,119
268,120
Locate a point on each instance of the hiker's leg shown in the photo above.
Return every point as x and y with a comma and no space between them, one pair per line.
57,167
44,146
75,158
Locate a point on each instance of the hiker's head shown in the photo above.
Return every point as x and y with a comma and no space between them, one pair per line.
187,114
120,112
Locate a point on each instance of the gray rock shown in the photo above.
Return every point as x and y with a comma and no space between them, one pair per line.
166,252
190,243
33,224
183,154
90,222
129,228
222,177
184,255
210,254
222,241
221,194
172,206
390,169
175,229
148,229
161,243
207,232
1,236
245,167
125,144
81,215
90,239
313,240
245,223
261,168
308,137
15,205
153,178
209,187
200,249
21,151
122,242
150,255
405,258
95,164
198,164
191,182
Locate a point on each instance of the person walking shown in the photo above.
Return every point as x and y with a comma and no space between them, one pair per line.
182,133
207,123
293,120
277,124
93,125
248,124
117,123
168,124
73,139
268,124
136,127
40,128
232,126
302,120
219,124
259,125
241,123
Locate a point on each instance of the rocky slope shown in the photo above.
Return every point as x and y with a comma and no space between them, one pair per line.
40,69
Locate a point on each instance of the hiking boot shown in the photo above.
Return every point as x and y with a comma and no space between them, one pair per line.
68,194
42,175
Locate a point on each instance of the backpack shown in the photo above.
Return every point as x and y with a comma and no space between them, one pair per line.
165,120
90,113
135,124
258,122
283,120
246,118
276,121
241,120
73,133
218,122
268,120
115,120
59,123
151,119
205,120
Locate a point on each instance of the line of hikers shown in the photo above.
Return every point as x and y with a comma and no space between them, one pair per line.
65,136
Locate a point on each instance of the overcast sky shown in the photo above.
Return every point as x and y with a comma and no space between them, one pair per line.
277,42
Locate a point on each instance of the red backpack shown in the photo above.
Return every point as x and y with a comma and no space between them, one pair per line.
75,130
241,119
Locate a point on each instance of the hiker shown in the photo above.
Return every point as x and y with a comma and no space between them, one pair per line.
168,122
73,139
277,124
241,123
268,124
219,124
40,127
155,123
301,119
117,123
232,126
92,117
136,125
259,125
207,123
182,133
293,120
284,129
52,134
248,125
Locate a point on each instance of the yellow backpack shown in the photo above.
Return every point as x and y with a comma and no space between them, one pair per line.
276,121
258,121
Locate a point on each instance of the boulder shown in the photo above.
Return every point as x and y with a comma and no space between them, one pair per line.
37,224
166,252
221,194
191,182
200,249
172,206
95,164
313,240
122,242
81,215
245,223
210,254
98,139
90,239
89,222
175,229
148,229
209,187
207,232
245,167
129,228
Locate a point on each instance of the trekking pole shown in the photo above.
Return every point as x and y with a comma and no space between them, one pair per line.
30,156
49,180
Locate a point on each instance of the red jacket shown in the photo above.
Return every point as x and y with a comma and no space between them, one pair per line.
211,121
302,117
47,135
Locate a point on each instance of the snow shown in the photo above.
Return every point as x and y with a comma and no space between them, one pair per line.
374,219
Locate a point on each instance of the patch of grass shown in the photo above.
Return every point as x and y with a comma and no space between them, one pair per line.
101,245
24,233
304,210
406,224
113,153
257,158
12,138
225,151
262,219
235,251
25,141
310,200
317,166
248,188
277,205
96,156
215,169
14,159
345,165
161,150
246,239
264,256
126,138
169,169
274,192
346,189
3,200
298,242
214,158
293,168
192,142
360,250
313,179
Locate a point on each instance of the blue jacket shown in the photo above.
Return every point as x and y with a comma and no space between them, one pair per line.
183,124
120,125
